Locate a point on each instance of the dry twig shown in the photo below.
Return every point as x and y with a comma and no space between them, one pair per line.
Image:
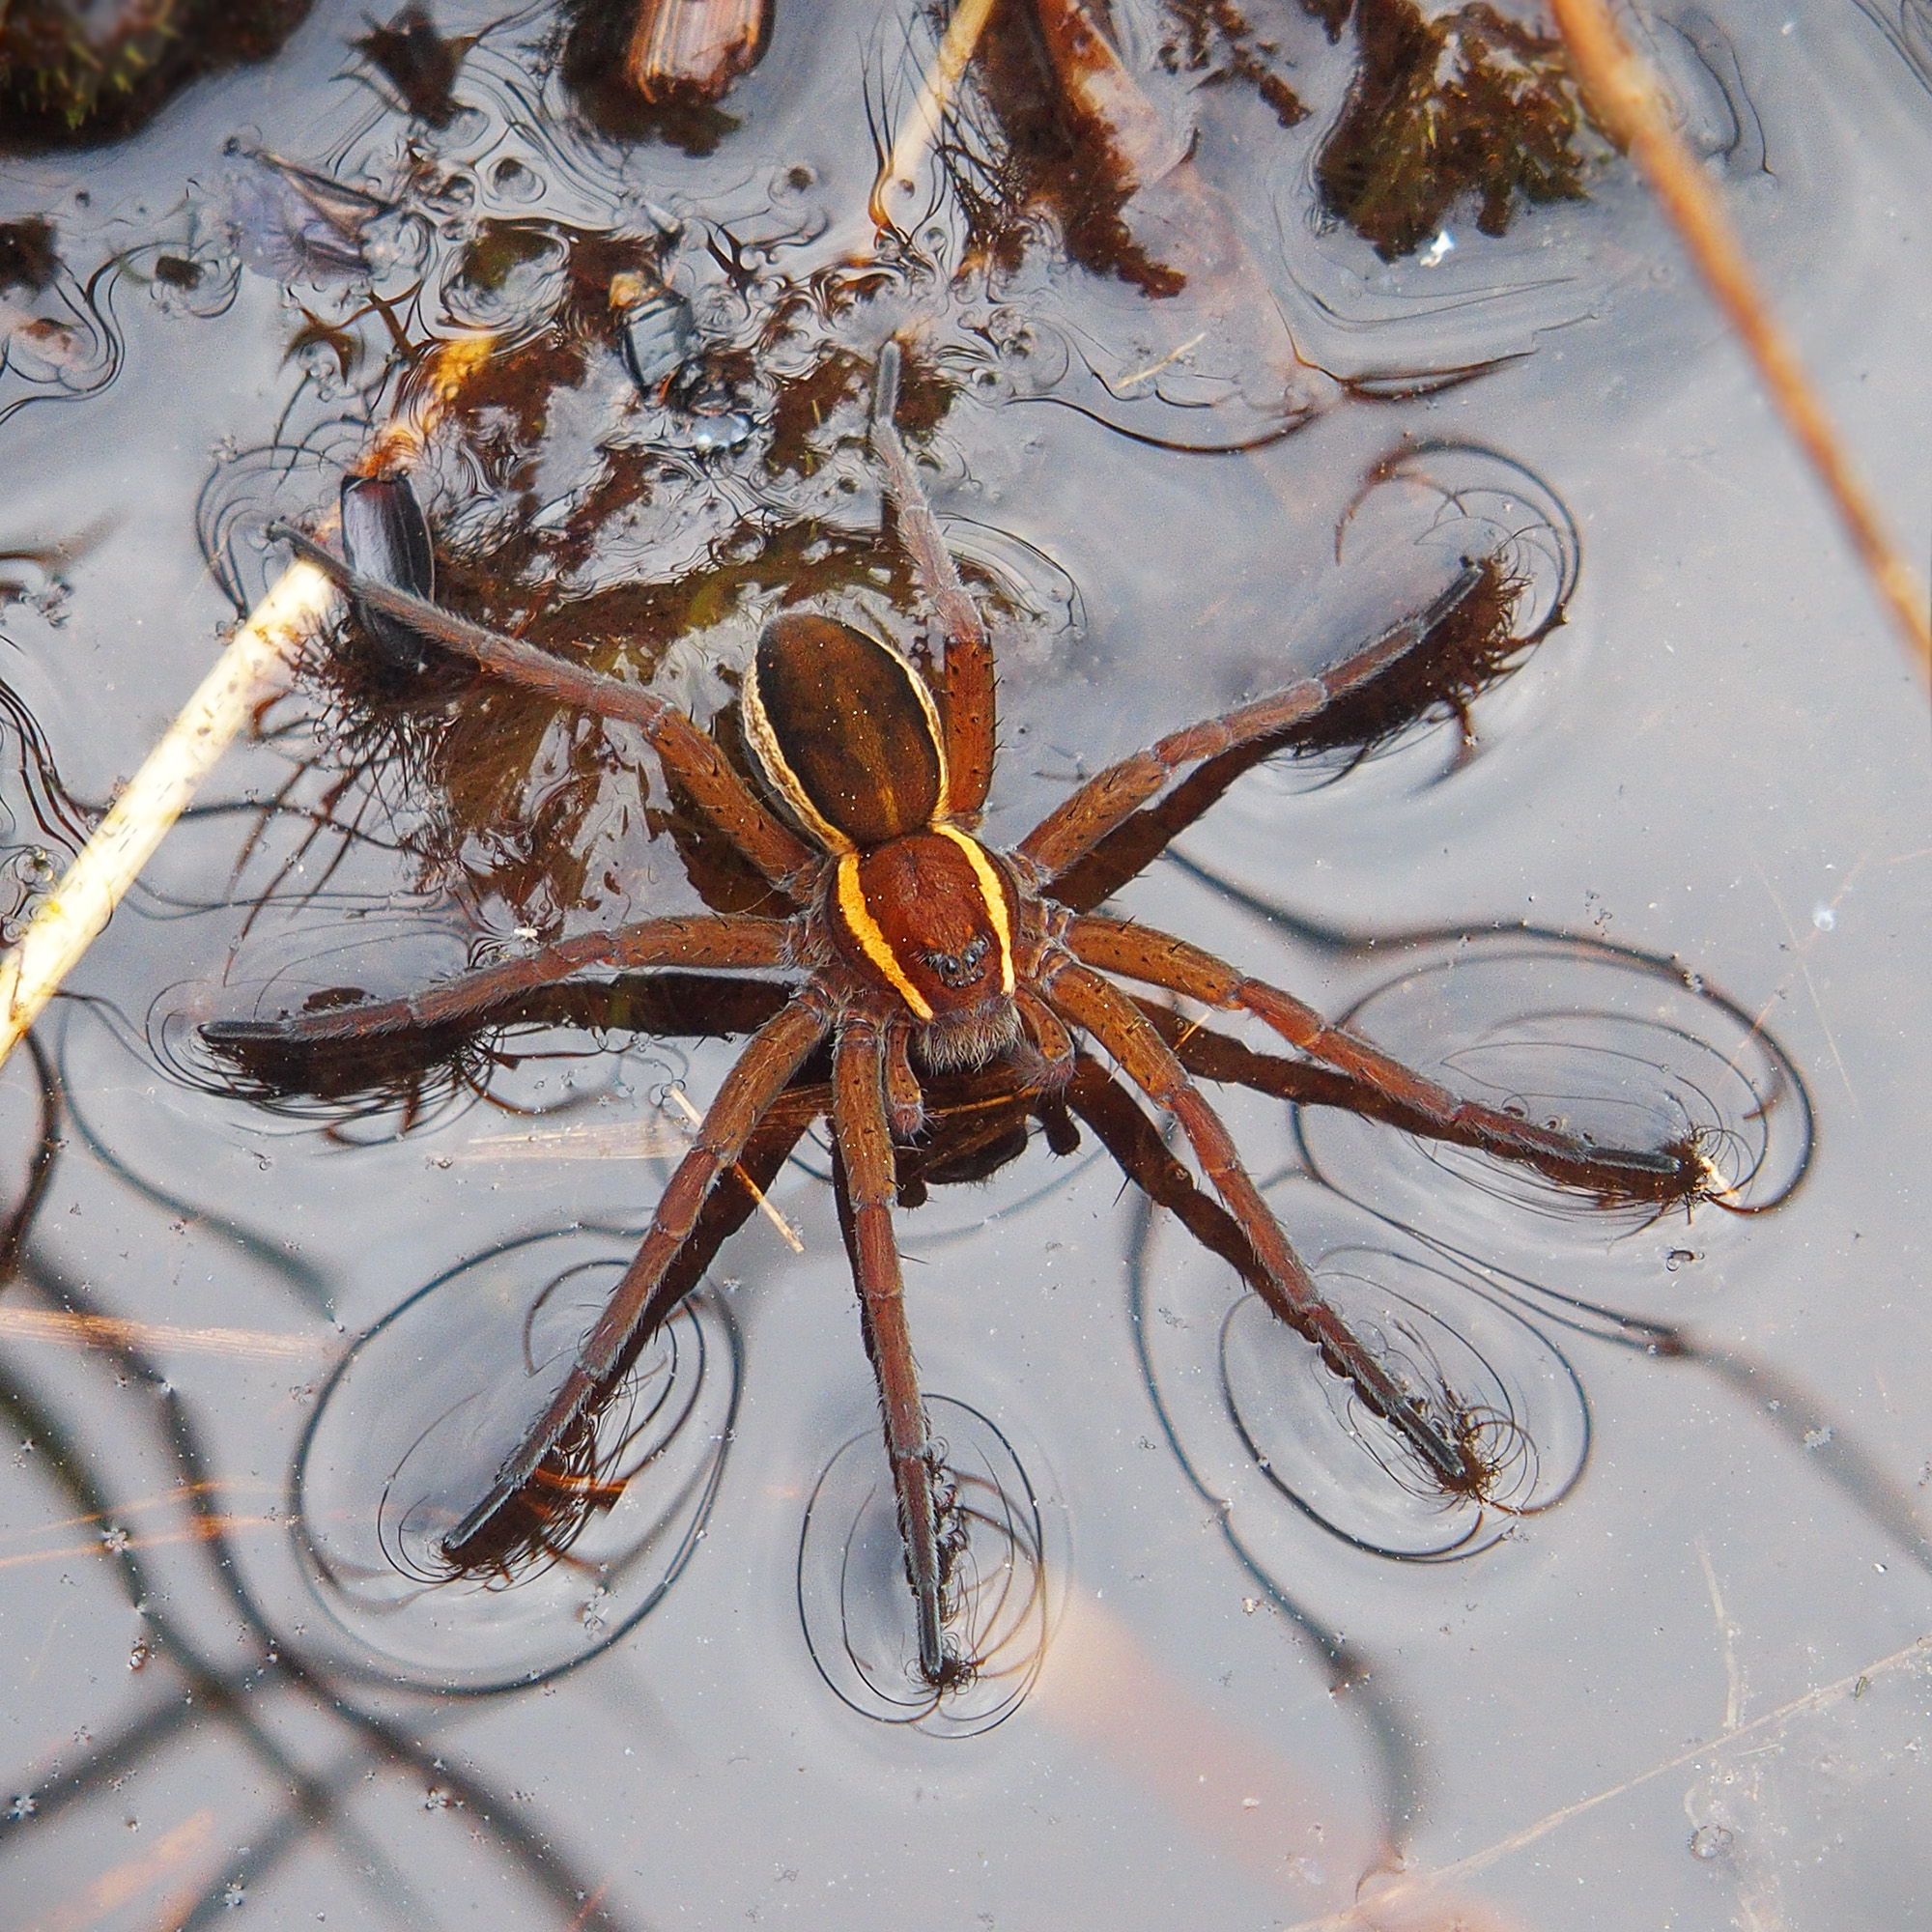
248,672
935,97
155,797
1626,93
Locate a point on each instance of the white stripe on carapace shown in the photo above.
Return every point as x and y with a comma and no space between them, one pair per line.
764,742
777,767
992,892
934,730
872,941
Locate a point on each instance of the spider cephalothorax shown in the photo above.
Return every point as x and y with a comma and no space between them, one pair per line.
912,948
849,738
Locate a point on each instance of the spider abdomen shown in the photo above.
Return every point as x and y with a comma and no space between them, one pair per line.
933,916
846,733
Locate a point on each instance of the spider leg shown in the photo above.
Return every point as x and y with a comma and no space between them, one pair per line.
1130,1137
1405,653
1055,1044
966,675
551,1498
1080,995
699,943
1208,1055
643,1296
1157,959
906,1104
865,1213
1108,798
688,753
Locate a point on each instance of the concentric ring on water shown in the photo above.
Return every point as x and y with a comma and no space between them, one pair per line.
423,1411
1007,1561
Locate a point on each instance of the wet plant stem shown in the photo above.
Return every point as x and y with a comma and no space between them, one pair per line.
1626,96
80,906
935,97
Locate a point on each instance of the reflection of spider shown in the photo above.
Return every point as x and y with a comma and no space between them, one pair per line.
922,955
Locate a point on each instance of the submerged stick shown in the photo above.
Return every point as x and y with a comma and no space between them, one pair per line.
1624,91
155,797
674,1097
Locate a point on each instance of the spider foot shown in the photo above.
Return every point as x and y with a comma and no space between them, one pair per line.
954,1672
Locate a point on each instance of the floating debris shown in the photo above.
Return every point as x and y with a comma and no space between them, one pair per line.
419,61
28,257
695,49
384,535
1465,103
291,221
72,73
658,333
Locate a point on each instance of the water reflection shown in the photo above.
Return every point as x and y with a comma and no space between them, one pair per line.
1504,1390
423,1410
143,1554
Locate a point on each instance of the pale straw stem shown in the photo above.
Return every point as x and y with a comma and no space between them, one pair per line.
65,923
1626,96
674,1097
935,96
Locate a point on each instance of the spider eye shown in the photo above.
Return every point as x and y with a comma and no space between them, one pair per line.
958,969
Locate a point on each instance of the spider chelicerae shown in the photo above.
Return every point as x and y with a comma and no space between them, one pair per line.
928,961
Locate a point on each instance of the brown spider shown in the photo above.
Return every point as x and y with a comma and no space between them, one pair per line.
924,956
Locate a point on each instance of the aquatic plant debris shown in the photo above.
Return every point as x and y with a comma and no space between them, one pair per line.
1467,103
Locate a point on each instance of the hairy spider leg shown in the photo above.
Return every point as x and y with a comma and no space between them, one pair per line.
1133,846
905,1098
643,1298
966,673
1124,1130
1107,1015
1156,958
552,1497
1043,1028
1080,821
716,941
1210,1055
686,753
869,1186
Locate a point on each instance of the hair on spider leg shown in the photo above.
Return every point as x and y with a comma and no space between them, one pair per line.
1001,1557
550,1514
1466,640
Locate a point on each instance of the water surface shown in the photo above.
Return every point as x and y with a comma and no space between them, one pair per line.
1677,875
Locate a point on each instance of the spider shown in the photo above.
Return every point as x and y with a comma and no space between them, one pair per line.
925,959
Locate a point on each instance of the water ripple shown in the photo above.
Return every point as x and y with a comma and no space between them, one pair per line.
1628,1051
1272,1431
1004,1560
415,1424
